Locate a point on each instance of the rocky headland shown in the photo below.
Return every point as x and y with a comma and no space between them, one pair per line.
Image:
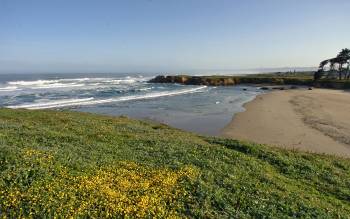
262,80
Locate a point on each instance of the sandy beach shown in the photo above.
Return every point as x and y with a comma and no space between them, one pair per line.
315,120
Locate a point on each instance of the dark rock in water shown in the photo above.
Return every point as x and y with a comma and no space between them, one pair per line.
159,79
264,88
244,88
310,88
293,87
281,88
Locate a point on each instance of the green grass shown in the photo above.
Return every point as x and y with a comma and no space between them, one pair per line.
77,164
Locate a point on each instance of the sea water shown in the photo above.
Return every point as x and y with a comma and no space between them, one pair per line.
200,109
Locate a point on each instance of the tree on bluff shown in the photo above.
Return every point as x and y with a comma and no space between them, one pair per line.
338,67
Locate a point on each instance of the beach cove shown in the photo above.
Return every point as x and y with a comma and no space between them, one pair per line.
315,120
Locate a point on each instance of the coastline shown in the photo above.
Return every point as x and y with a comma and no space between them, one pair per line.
308,120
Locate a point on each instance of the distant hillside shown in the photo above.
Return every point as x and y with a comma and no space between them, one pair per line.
69,164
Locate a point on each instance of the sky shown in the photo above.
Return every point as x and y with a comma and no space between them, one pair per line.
61,36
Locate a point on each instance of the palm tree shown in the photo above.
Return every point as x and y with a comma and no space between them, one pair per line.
336,65
318,74
344,53
332,68
344,58
348,69
323,64
340,60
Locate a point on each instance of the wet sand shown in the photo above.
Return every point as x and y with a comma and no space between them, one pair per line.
315,120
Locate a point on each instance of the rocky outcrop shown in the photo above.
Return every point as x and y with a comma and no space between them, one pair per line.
195,80
229,80
234,80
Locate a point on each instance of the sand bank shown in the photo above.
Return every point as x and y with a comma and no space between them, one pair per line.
315,120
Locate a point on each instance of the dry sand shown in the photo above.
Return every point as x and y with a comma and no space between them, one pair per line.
315,120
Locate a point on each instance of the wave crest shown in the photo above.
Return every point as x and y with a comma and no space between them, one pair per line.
92,101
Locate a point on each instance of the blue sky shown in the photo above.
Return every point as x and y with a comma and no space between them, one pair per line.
169,35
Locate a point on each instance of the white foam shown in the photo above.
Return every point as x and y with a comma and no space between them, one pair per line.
75,79
92,101
43,82
9,88
121,81
83,79
144,89
31,83
58,85
74,82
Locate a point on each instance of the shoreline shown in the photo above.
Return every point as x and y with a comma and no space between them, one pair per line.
307,120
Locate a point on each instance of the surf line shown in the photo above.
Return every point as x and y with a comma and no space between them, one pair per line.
92,101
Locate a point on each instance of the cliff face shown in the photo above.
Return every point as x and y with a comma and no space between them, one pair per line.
229,80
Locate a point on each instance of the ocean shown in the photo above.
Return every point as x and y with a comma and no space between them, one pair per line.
200,109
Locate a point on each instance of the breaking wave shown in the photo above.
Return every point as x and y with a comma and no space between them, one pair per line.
93,101
9,88
73,82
